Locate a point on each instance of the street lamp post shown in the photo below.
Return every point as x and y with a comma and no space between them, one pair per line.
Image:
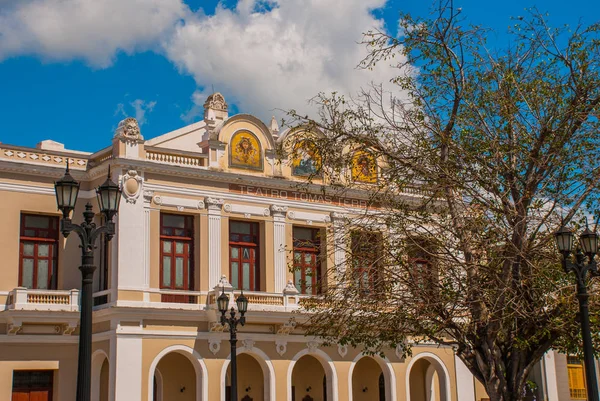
109,195
232,322
583,264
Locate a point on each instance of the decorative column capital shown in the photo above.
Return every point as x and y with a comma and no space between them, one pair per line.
279,211
214,203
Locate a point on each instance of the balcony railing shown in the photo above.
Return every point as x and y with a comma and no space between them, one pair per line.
22,298
175,157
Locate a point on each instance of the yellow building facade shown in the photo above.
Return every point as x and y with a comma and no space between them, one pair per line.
209,207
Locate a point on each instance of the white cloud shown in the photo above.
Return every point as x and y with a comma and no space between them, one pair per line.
93,30
278,58
262,55
140,108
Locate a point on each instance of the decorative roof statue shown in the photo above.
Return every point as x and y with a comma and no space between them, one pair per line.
128,129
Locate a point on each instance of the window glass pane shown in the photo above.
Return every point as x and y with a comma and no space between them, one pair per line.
27,273
246,275
298,279
43,250
28,248
308,258
303,233
179,272
235,253
29,233
240,227
37,221
234,274
245,253
173,220
167,271
167,246
297,257
179,248
42,274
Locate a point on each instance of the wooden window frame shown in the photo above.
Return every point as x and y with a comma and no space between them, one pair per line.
188,258
253,260
308,247
370,257
51,240
32,388
576,393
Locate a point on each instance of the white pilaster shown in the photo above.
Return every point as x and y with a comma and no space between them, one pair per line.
465,385
214,206
127,362
549,365
339,242
131,245
147,207
279,259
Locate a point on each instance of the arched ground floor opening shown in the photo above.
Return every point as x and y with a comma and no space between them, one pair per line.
427,379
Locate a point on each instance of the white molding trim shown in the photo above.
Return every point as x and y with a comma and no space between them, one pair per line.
267,370
328,367
246,210
179,203
197,362
442,371
388,373
308,217
230,196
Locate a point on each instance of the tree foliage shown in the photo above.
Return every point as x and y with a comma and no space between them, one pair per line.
482,156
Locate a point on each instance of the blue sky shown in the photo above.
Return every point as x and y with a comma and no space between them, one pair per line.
72,73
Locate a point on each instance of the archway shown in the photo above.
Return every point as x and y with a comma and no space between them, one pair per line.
251,381
427,379
309,382
374,380
330,385
100,376
366,377
177,370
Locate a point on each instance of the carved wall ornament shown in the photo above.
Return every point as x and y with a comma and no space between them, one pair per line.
131,183
312,346
128,129
14,328
248,344
217,327
214,345
281,347
399,352
342,350
69,329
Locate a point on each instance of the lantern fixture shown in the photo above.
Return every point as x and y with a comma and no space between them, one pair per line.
588,240
564,240
109,197
66,190
242,303
223,302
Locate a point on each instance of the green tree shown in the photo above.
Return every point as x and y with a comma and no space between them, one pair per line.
483,155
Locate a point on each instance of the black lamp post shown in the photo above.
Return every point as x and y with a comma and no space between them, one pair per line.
109,195
584,262
232,322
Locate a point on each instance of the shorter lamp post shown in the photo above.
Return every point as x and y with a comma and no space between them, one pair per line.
582,264
109,196
232,322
